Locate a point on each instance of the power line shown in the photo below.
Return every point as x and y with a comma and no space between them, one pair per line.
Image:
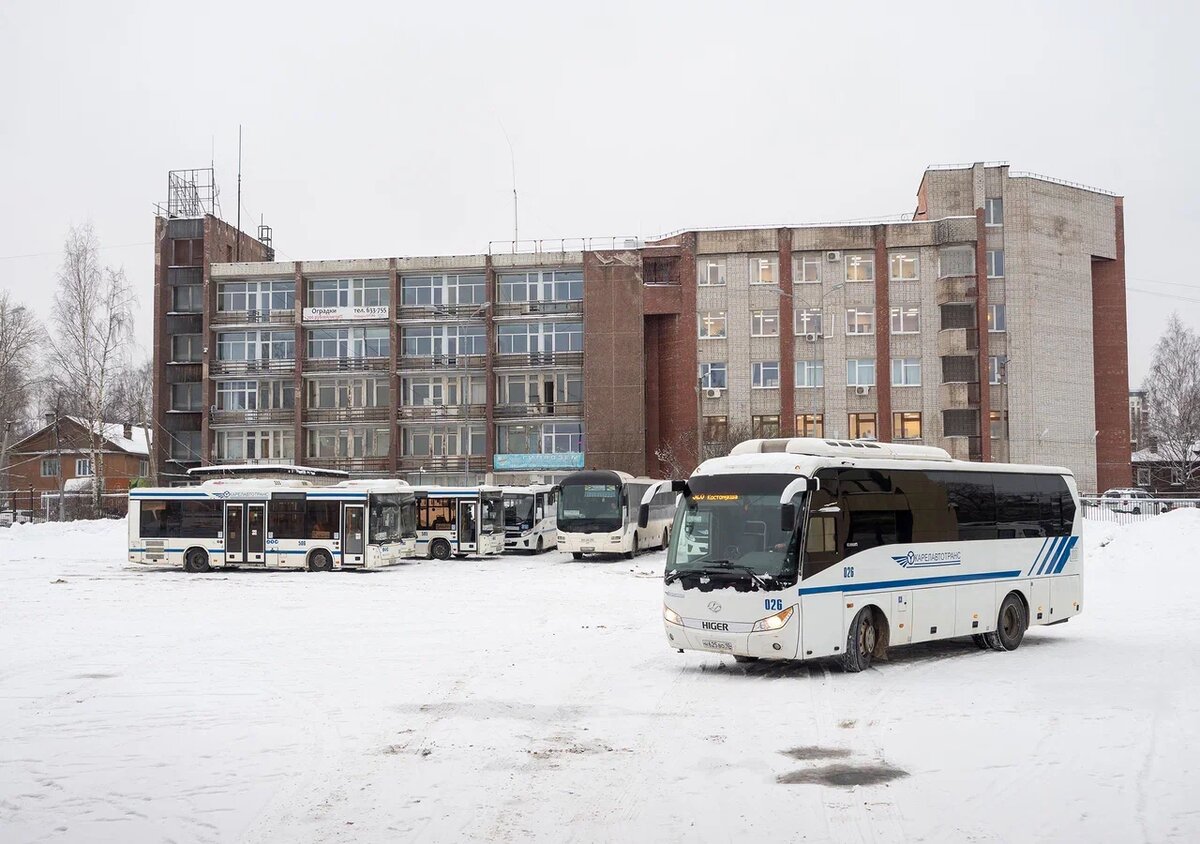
51,254
1164,295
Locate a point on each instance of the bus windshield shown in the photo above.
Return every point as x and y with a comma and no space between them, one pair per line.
728,533
493,513
393,517
518,512
590,508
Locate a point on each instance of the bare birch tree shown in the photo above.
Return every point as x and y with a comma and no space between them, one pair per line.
131,402
1174,388
19,334
92,318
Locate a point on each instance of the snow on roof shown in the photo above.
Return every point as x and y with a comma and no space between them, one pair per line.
114,432
78,485
1149,455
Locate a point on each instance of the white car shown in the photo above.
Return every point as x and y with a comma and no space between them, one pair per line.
1135,501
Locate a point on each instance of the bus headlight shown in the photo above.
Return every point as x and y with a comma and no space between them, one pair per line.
672,616
773,622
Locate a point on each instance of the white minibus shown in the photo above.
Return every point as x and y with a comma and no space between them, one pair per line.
530,518
598,514
459,521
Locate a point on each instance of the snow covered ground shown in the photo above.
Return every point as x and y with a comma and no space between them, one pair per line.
535,698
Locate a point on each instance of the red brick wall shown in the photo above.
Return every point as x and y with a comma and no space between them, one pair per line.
26,460
981,310
679,414
1110,362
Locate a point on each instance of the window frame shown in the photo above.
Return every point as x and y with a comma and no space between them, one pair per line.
898,315
901,419
800,265
859,365
994,309
707,319
990,204
852,319
707,369
994,258
858,420
719,265
813,371
760,320
815,421
903,258
904,367
857,261
758,264
759,372
804,315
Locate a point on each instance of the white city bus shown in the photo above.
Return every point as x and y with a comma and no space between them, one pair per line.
598,514
459,521
806,548
530,518
273,524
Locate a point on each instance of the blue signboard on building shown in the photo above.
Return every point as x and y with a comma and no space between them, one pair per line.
538,462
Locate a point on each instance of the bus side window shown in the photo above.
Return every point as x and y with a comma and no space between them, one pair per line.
821,549
539,507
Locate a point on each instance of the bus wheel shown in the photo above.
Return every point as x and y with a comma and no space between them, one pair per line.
540,548
196,560
320,561
740,658
666,539
576,555
1010,626
439,549
860,642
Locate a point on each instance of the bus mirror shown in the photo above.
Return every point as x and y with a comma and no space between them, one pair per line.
681,486
420,495
556,489
643,515
787,520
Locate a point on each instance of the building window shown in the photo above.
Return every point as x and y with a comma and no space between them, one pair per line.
186,348
806,269
187,299
860,321
710,272
764,270
810,373
764,427
538,338
449,289
809,322
1143,476
906,320
999,425
83,468
996,366
349,293
860,268
332,343
712,376
185,446
862,426
810,425
453,390
186,397
997,319
562,438
712,325
904,266
143,468
343,393
261,296
50,467
956,261
906,426
993,211
266,444
259,345
444,340
348,442
765,375
541,286
906,372
860,372
764,323
716,429
995,263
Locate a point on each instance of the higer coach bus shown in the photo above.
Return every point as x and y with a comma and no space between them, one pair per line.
807,548
598,514
273,524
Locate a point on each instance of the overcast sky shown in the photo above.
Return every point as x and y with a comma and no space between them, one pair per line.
375,129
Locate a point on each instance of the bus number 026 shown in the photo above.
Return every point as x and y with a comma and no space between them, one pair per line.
775,604
847,571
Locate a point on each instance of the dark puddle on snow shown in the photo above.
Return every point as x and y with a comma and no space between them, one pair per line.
843,776
805,754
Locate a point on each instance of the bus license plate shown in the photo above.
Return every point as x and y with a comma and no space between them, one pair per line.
588,548
716,644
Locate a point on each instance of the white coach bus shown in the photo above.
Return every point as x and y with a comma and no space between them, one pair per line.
273,524
459,521
530,518
598,514
807,548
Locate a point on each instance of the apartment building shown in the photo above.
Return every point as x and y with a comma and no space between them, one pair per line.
991,323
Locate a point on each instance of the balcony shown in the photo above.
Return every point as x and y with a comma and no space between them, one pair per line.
347,365
440,313
354,465
272,317
514,309
956,289
954,342
440,412
380,413
538,359
530,411
959,396
185,275
963,448
252,367
442,463
413,363
272,415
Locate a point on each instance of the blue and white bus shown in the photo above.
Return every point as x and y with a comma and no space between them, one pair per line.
457,521
530,518
273,524
806,548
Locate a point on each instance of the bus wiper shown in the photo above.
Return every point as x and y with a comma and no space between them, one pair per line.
726,565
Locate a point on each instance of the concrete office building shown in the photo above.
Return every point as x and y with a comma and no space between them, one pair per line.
991,323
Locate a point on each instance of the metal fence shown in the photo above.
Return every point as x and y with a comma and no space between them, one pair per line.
1127,510
29,506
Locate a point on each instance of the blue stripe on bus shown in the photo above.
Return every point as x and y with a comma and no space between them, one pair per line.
1047,561
1045,542
1066,554
1064,548
919,581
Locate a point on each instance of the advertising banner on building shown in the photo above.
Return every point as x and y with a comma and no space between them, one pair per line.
332,314
538,462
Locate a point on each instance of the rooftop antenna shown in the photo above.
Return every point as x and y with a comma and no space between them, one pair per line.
512,158
238,237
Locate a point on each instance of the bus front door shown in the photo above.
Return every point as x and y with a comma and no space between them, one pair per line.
235,533
468,526
256,534
354,536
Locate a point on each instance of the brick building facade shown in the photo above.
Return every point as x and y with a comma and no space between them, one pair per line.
992,323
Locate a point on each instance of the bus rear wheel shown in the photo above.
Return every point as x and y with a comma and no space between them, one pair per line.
1010,625
320,561
861,642
576,555
540,547
196,560
439,549
666,539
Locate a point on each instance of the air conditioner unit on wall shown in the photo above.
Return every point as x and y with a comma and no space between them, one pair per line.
812,338
862,391
713,392
833,255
